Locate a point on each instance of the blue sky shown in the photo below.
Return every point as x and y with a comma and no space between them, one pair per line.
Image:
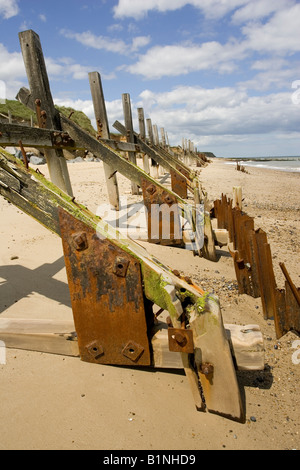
224,74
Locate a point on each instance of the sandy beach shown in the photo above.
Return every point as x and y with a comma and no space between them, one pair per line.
58,402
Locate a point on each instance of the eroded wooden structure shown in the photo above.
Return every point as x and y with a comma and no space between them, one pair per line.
118,291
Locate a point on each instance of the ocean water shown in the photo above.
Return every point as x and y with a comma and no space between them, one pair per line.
289,164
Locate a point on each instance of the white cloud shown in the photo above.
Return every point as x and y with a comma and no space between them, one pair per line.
210,8
176,60
279,35
198,113
43,18
259,9
89,39
14,65
8,8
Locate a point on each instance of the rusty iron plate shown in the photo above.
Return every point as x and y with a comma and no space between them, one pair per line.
107,297
178,184
181,340
163,215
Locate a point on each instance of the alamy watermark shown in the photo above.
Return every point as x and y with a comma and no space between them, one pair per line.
2,353
296,94
166,222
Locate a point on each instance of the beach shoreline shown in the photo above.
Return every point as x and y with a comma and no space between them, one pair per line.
57,402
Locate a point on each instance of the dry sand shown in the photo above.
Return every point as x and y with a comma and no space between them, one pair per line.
55,402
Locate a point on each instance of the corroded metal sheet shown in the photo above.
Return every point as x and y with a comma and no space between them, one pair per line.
178,182
107,297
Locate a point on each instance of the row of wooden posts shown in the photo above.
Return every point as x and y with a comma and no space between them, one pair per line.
251,251
44,105
253,264
55,133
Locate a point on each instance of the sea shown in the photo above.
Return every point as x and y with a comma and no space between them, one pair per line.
289,164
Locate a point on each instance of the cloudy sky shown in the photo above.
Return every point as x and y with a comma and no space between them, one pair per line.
224,74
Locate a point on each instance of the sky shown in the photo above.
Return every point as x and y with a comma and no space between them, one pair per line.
224,74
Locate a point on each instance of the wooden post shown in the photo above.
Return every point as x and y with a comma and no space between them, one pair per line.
155,135
267,281
130,136
103,132
142,127
40,90
154,164
237,197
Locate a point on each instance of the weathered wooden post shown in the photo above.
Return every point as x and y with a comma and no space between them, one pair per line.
103,132
237,197
154,165
41,94
141,118
130,136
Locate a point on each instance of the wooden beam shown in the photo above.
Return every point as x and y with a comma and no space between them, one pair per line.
246,341
11,134
142,128
40,89
157,156
103,132
59,337
48,336
129,134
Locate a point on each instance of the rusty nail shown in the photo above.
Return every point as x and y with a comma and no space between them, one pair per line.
80,240
207,368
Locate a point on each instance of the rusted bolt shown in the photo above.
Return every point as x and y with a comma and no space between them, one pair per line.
95,349
43,114
168,200
176,273
206,368
80,240
120,266
151,189
38,102
180,339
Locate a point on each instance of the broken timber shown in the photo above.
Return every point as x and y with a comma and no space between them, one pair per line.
100,264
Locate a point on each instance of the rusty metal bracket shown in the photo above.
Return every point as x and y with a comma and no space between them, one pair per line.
110,313
181,340
179,182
